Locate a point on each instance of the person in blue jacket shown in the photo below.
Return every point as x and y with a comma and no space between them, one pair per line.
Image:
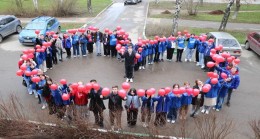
181,45
162,49
143,54
147,109
201,48
207,56
67,43
75,44
161,110
174,105
150,49
210,98
48,55
234,84
186,100
39,87
190,48
225,85
171,44
112,43
156,52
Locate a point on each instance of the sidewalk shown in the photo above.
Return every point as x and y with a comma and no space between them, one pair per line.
64,20
206,24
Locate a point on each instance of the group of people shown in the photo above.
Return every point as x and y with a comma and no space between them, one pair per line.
167,107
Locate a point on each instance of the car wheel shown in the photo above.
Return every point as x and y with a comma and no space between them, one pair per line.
1,38
18,29
247,46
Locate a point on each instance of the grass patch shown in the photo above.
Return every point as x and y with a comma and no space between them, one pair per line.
65,26
243,17
204,7
45,5
165,30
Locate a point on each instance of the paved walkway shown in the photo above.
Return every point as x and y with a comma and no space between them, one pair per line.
206,24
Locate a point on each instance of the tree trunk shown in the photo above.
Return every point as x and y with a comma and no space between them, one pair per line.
89,6
35,4
226,16
156,1
201,2
176,17
19,4
237,9
192,6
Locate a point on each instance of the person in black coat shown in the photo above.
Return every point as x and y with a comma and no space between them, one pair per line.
115,107
197,101
129,56
96,104
106,41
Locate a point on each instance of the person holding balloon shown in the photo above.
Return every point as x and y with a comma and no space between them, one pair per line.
185,100
174,104
234,85
75,39
207,58
198,98
171,45
67,44
106,41
223,91
150,48
190,47
39,87
201,49
181,45
147,107
132,104
129,56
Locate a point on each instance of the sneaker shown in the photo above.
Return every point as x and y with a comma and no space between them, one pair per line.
43,107
202,67
207,112
203,111
213,108
217,110
127,80
168,120
51,68
140,67
144,125
173,121
198,64
36,96
149,63
190,60
84,55
74,56
143,67
131,80
186,60
30,93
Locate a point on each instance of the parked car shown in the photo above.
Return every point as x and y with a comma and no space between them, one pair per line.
132,2
43,24
9,24
230,43
253,42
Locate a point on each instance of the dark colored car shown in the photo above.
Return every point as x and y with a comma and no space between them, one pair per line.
9,24
253,42
132,1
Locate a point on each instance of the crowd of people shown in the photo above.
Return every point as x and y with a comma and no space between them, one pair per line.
71,100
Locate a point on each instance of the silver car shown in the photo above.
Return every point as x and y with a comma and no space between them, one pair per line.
230,43
132,1
9,24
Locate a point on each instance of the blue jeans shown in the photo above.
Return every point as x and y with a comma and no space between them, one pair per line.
150,58
189,53
29,87
98,46
83,48
172,114
43,101
75,49
201,59
220,101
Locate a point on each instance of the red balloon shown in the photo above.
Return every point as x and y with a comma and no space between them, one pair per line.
35,79
214,57
185,31
188,35
205,89
176,91
149,92
210,74
38,46
65,35
225,55
196,92
118,47
19,73
182,90
42,50
65,97
140,49
55,36
106,30
215,75
122,41
211,41
118,28
63,81
54,87
122,93
161,92
35,72
74,86
52,32
25,51
189,91
220,47
140,92
49,44
125,85
220,59
213,51
223,75
30,56
153,90
214,81
237,61
208,85
179,33
210,64
127,41
105,91
137,55
37,32
31,50
96,86
81,88
24,57
167,90
23,67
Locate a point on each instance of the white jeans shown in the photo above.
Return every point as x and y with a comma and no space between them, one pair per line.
189,53
201,59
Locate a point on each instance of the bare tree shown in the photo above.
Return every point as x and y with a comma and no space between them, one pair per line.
35,4
176,17
156,1
19,4
237,9
226,16
192,6
201,2
89,5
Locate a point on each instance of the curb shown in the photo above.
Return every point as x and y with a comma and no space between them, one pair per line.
85,25
145,22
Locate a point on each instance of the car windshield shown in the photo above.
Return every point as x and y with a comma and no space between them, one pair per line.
228,42
36,25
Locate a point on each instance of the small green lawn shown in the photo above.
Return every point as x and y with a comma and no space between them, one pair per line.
155,29
205,7
45,5
245,17
65,26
